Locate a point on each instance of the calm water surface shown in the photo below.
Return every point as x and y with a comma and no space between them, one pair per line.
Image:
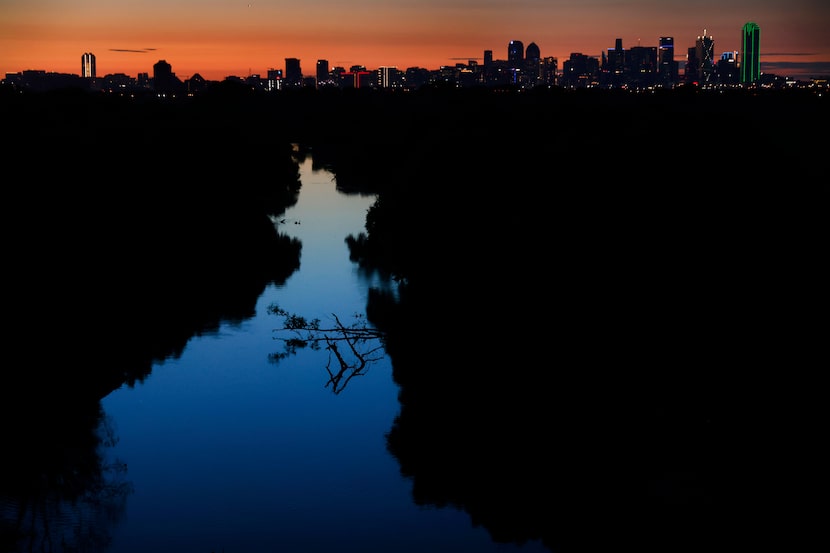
229,451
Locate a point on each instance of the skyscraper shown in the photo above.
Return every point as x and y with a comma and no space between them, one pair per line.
705,56
616,58
666,64
323,76
293,73
532,53
532,65
88,65
163,77
750,68
515,53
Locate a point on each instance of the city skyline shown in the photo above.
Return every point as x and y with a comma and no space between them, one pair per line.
221,38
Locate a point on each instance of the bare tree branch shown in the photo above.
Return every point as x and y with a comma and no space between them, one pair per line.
365,344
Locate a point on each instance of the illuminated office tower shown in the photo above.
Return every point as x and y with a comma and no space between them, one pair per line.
273,79
705,56
323,76
293,73
322,70
88,65
727,68
750,68
550,70
615,60
532,65
515,53
388,77
666,64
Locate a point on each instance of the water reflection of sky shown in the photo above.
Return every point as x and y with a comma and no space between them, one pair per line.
230,452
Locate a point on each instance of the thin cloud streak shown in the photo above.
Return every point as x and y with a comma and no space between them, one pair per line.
132,51
789,54
815,69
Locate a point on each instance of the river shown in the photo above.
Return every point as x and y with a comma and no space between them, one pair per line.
228,450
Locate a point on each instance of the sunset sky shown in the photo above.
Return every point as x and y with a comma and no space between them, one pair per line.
218,38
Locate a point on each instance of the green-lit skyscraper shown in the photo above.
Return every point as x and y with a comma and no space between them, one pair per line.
750,53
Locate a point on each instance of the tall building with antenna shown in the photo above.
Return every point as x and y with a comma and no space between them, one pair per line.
705,55
750,68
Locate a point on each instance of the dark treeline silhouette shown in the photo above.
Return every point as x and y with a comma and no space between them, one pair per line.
128,230
612,282
616,291
169,203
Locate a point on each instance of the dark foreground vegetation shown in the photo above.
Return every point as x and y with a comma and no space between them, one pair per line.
615,287
126,233
599,334
600,330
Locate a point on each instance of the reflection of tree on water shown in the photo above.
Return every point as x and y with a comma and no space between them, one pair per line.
150,264
351,348
60,490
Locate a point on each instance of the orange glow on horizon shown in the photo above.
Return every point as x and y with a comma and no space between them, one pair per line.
239,37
